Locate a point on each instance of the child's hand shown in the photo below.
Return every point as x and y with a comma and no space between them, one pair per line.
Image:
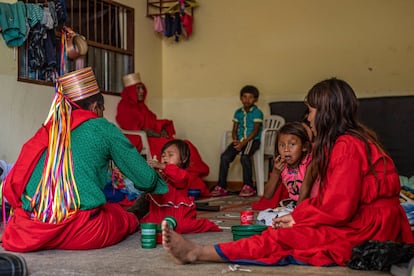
278,164
152,163
238,145
156,165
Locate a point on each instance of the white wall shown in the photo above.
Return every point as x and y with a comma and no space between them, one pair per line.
283,47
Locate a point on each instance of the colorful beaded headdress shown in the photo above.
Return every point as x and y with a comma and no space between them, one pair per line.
56,197
78,85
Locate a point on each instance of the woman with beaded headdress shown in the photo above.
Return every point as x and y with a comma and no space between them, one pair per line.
56,185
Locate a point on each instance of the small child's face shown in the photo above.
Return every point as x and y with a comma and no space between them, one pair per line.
291,149
171,155
248,100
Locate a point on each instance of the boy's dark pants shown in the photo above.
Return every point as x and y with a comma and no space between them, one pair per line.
245,158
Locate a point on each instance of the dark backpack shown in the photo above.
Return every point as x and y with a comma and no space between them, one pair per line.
12,265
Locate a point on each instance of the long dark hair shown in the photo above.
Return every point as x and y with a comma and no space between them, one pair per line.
183,149
337,107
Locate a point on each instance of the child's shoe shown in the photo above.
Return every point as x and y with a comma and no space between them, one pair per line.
247,191
218,191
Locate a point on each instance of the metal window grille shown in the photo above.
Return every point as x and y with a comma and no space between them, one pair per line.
109,30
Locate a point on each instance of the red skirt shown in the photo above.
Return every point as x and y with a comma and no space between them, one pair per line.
186,216
90,229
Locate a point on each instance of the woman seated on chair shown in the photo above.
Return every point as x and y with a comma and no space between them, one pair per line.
134,114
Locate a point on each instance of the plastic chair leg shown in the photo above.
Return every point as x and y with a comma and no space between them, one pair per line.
259,170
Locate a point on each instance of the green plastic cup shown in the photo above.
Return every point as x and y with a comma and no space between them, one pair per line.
245,231
148,235
171,221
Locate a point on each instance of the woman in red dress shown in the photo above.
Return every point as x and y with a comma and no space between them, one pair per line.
133,114
357,198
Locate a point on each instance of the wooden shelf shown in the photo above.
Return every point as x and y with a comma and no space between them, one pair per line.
161,7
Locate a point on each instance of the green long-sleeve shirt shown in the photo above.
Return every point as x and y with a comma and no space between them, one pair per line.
94,143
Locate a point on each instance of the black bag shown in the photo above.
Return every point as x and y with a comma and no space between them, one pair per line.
140,207
376,255
12,265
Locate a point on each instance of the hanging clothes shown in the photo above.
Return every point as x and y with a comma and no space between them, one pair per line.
158,24
187,23
168,25
13,23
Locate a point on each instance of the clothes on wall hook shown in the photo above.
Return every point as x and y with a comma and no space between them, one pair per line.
158,24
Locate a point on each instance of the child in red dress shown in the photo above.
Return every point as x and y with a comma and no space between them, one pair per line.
174,161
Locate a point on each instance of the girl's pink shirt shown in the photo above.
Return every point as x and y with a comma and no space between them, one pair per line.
293,178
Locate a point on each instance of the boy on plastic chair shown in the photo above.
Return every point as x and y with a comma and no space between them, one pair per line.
247,126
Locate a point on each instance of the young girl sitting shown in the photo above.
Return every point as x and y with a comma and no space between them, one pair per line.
294,156
174,161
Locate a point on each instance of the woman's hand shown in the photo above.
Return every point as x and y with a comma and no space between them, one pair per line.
285,221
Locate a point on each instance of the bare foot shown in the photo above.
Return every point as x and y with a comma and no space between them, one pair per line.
184,251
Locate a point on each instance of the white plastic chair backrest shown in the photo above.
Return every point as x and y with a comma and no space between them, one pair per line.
144,139
226,138
269,134
271,124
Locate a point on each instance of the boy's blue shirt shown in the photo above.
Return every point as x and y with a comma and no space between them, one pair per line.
246,121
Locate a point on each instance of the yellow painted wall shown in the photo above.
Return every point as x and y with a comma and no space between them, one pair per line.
282,47
24,107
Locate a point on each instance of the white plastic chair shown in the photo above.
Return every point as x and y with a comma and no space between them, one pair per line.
266,151
144,138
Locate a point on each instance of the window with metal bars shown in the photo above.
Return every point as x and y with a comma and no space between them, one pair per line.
109,31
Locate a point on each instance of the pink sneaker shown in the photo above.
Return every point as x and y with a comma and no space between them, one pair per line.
218,191
247,191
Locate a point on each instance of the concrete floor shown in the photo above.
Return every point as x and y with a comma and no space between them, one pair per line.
128,258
